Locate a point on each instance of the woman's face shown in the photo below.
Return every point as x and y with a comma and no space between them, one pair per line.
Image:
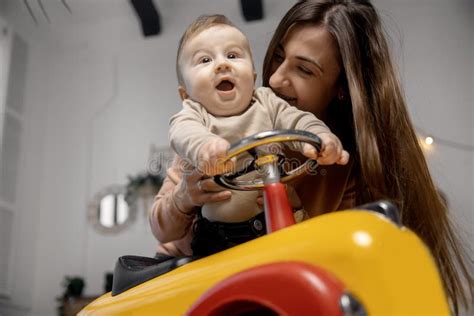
306,69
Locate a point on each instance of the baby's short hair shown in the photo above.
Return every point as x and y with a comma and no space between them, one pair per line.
200,24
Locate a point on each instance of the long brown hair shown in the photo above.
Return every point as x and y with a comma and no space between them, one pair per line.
387,153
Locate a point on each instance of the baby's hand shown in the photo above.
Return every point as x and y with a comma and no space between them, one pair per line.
331,151
211,157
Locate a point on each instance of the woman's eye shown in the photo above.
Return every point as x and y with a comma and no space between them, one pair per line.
231,56
305,70
278,58
204,60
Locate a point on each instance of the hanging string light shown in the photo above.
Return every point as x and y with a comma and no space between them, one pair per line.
428,140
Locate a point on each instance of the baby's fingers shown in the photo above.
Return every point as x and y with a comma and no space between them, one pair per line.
225,166
343,158
310,152
220,148
328,155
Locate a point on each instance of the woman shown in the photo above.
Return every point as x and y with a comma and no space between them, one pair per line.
331,58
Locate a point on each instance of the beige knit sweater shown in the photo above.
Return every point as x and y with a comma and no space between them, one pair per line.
193,126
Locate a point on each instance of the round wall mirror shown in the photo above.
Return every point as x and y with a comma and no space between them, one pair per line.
109,212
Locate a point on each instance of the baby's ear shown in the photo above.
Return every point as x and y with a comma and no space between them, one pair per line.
182,93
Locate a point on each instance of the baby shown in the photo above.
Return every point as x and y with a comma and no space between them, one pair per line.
221,105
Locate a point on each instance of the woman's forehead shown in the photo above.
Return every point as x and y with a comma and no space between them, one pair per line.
313,42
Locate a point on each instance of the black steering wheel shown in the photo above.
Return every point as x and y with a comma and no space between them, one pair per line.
249,145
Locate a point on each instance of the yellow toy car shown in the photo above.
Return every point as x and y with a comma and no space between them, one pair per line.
353,262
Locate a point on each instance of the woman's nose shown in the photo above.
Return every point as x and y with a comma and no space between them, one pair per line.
278,79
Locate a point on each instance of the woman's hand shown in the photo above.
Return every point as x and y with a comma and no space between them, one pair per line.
195,190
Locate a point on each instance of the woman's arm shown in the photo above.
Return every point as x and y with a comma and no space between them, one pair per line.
170,216
184,190
348,200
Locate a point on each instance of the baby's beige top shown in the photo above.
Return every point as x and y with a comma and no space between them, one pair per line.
193,126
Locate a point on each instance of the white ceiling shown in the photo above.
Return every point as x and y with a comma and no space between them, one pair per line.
116,18
83,11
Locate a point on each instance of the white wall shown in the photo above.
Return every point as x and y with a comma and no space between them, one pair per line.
98,94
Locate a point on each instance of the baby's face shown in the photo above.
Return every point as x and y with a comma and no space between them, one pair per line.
218,71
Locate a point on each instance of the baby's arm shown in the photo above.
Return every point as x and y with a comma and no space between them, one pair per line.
289,117
191,139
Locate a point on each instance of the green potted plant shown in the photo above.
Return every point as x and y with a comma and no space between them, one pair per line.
73,286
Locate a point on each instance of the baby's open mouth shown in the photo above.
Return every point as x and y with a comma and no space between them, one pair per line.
225,85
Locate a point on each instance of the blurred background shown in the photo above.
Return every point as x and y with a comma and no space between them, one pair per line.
86,91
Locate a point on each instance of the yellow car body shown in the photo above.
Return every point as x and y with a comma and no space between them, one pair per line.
387,267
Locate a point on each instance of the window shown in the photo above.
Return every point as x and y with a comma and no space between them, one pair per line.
13,59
